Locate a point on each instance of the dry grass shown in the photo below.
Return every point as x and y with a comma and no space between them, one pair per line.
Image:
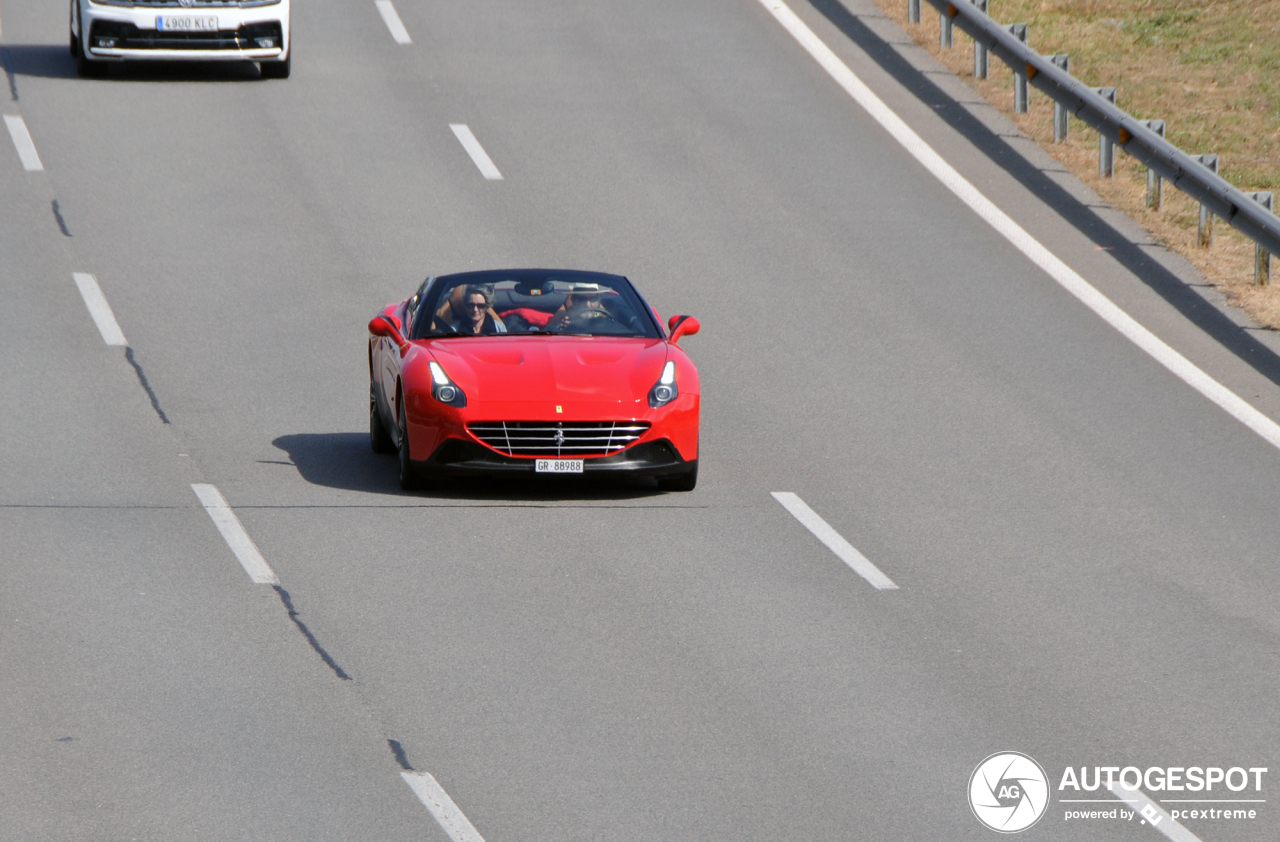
1209,68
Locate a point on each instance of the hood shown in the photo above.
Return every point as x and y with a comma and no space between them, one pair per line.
568,369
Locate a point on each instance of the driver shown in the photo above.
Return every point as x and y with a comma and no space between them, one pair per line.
477,314
583,303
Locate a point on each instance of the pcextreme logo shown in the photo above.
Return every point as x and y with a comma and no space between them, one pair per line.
1008,792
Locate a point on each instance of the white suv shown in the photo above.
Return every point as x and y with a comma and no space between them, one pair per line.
181,30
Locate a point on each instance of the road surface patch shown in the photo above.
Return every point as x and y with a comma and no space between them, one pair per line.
441,807
99,309
393,22
233,533
476,151
834,541
23,143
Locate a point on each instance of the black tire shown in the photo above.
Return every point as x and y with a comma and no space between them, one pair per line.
680,482
379,439
408,476
75,46
277,69
86,67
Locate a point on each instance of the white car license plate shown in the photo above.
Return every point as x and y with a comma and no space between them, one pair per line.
558,466
187,24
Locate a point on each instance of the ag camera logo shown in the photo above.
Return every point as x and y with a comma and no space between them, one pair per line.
1008,792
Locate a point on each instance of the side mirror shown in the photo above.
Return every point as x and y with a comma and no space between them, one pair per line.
386,326
682,326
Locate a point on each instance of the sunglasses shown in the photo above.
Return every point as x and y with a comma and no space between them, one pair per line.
471,305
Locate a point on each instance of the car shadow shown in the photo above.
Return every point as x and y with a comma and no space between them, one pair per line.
345,461
54,61
185,71
50,61
1163,282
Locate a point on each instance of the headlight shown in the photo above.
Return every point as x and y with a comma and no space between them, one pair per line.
664,391
443,389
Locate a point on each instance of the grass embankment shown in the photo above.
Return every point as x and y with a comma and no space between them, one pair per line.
1209,68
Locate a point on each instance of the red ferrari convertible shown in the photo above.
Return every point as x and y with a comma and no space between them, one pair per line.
532,371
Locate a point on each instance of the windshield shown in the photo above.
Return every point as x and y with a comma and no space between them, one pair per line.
526,302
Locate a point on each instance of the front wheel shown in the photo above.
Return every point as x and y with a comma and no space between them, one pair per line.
379,439
86,67
408,476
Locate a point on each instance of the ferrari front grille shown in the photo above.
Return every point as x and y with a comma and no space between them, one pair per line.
567,438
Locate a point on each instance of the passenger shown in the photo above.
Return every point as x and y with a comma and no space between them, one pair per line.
477,313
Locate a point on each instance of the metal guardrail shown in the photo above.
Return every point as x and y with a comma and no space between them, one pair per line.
1186,172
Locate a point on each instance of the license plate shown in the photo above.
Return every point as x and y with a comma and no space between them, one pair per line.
187,24
558,466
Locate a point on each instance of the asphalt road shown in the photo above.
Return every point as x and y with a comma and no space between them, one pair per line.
1084,547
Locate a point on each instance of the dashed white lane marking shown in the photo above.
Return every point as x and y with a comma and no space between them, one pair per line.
476,151
393,22
441,807
834,541
1014,233
99,309
22,140
1153,814
235,536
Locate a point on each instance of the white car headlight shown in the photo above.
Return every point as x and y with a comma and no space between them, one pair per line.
443,389
664,391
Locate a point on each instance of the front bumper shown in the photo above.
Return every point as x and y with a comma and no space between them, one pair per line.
257,33
456,457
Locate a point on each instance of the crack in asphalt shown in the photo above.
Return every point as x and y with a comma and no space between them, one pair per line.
397,751
142,378
306,632
62,223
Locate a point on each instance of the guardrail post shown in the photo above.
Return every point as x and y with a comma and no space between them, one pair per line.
1204,234
945,29
1106,149
979,49
1061,122
913,11
1261,257
1154,182
1019,31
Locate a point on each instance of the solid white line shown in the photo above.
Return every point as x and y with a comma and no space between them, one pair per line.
441,806
1153,814
834,541
235,536
22,140
393,22
1014,233
99,309
476,151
